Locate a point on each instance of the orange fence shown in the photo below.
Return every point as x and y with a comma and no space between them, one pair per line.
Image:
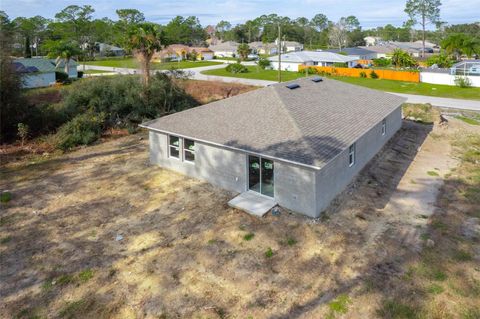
406,76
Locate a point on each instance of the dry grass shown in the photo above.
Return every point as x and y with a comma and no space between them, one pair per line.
184,252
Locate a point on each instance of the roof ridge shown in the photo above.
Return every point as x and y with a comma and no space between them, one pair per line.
289,114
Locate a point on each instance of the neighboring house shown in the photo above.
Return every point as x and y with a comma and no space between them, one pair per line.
291,46
382,51
35,72
297,143
72,67
180,52
371,41
225,49
105,49
258,47
291,61
359,53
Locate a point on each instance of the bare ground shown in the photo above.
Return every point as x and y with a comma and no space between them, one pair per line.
99,233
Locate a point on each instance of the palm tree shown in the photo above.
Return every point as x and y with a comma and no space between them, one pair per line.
458,44
401,58
63,51
144,41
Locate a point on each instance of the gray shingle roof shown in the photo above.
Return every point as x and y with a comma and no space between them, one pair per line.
309,125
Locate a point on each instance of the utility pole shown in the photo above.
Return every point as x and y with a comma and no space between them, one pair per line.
279,54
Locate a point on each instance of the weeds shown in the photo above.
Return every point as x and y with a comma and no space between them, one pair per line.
5,197
74,309
338,306
395,310
85,275
248,236
5,240
432,173
461,255
435,289
269,253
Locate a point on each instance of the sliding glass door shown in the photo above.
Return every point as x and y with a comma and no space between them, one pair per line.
260,175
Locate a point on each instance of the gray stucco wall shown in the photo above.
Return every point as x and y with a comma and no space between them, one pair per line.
220,167
336,175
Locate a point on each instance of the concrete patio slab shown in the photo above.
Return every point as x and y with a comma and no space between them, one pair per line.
253,203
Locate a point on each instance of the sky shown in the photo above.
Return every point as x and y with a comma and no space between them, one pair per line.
370,13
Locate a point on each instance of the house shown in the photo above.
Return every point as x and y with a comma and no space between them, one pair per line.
297,144
290,46
359,53
226,49
105,49
259,47
291,61
180,52
72,67
35,72
382,51
371,41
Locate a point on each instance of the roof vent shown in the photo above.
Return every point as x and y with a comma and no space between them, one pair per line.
317,79
292,86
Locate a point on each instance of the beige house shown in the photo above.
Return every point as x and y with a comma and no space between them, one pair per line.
180,52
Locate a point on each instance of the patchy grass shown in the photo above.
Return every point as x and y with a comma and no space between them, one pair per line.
338,306
5,197
85,275
291,241
248,236
393,309
435,289
269,252
5,240
432,173
74,309
421,113
462,255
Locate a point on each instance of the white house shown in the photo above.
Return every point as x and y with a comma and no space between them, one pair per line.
225,49
371,41
291,61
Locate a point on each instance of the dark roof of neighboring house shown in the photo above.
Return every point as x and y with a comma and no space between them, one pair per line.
32,65
352,51
308,125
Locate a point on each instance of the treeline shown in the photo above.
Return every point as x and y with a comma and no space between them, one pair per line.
33,35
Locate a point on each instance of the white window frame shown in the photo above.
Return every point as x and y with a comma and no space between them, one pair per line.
351,155
185,150
384,127
179,148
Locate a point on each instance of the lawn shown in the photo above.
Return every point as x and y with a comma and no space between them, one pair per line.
415,88
257,73
133,64
378,84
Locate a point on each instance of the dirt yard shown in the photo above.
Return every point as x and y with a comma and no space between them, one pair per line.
100,233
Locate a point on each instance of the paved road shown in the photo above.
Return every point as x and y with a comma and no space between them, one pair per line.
442,102
195,73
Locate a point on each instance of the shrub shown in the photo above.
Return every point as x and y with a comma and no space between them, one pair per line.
83,129
249,236
373,75
402,59
382,62
363,74
236,68
340,65
61,77
463,82
80,74
263,63
23,132
5,197
441,60
269,253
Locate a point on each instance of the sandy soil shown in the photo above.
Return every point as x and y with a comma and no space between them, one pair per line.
101,233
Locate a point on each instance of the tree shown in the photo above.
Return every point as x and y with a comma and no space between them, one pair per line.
337,35
441,60
243,51
458,44
145,40
402,59
423,12
127,19
185,30
320,22
351,23
221,28
63,51
76,22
